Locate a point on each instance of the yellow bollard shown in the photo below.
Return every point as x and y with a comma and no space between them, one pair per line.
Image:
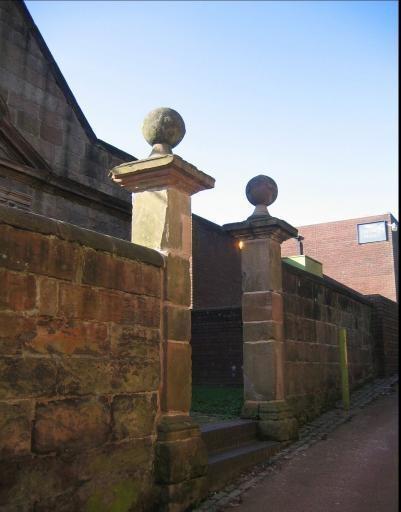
342,342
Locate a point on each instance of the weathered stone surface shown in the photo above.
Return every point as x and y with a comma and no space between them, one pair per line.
81,376
15,331
149,210
250,410
277,421
27,251
178,285
15,428
180,460
32,479
178,497
262,306
115,478
89,303
177,391
69,336
131,340
71,424
177,322
17,291
173,428
101,269
24,377
48,297
260,371
261,266
163,126
134,415
263,331
278,430
177,233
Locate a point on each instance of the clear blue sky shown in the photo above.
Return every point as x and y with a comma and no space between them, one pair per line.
305,92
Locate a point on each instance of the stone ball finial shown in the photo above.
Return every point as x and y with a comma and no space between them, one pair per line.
261,191
163,128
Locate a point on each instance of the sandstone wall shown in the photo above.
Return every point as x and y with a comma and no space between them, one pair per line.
80,367
386,332
314,310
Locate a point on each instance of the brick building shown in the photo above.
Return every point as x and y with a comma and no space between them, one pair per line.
360,253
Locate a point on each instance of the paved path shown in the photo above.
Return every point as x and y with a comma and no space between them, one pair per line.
354,470
337,465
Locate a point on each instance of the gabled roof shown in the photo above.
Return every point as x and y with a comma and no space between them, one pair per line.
64,86
14,147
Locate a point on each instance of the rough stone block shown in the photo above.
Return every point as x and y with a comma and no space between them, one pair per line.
70,337
33,480
180,460
17,291
262,306
177,427
182,496
82,376
261,266
131,340
21,377
279,430
71,424
90,303
15,331
250,410
260,371
177,322
48,297
263,331
15,428
134,416
101,269
31,252
116,477
309,330
177,391
178,280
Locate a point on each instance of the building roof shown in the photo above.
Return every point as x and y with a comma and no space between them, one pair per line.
61,81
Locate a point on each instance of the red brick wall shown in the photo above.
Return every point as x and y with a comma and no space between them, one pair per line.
368,268
80,367
314,310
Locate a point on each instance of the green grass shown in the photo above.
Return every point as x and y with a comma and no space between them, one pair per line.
224,402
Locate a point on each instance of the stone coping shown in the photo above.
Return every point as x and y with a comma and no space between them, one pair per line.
261,227
71,233
329,283
157,173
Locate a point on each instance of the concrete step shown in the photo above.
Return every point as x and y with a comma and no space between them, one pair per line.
226,435
226,466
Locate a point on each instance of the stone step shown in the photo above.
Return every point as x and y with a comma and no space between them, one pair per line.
226,466
228,434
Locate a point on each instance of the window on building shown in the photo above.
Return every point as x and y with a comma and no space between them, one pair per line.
372,232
